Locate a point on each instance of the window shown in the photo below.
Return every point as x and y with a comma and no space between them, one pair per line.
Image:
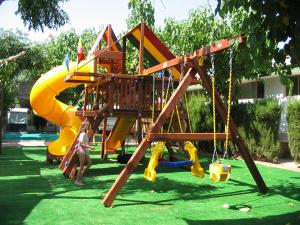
296,86
260,89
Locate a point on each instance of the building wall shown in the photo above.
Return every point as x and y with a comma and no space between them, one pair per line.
248,90
274,88
283,127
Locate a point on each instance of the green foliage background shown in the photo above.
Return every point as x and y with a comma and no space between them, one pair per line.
258,123
259,126
293,118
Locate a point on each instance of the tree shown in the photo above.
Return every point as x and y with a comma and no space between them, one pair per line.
43,13
266,24
202,29
141,11
57,48
11,43
12,47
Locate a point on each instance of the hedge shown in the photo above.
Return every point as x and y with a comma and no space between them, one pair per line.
258,124
293,119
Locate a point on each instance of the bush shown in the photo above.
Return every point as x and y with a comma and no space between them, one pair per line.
259,126
200,113
201,117
293,119
200,109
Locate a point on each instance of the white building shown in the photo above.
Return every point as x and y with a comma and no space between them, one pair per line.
271,87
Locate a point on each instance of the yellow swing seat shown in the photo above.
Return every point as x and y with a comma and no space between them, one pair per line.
150,172
219,172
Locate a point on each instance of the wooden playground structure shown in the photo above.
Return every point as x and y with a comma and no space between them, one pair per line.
135,98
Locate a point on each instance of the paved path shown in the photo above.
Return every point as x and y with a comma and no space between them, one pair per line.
29,143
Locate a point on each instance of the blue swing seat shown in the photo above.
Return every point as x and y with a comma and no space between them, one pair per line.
176,163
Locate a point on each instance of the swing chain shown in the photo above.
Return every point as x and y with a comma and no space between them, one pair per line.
228,103
153,97
214,107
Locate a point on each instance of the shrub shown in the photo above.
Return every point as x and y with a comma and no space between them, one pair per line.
259,124
200,113
293,118
200,108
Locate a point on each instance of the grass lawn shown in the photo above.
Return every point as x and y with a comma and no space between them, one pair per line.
32,192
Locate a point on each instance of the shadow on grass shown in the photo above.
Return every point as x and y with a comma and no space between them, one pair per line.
21,193
288,218
14,162
22,184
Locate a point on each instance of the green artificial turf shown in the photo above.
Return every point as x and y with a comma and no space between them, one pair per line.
32,192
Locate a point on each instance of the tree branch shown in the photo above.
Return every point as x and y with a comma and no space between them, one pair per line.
12,58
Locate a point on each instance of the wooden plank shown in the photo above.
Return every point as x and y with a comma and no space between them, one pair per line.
106,54
186,136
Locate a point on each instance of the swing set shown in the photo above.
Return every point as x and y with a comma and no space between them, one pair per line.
134,98
158,149
219,171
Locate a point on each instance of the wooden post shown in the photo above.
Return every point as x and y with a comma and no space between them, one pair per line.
141,50
103,155
140,151
140,108
109,44
85,99
109,41
236,137
124,56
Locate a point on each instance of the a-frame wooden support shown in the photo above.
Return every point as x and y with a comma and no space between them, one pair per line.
163,116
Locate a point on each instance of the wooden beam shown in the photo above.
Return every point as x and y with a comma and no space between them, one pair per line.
124,56
141,149
236,137
86,113
216,47
80,81
104,138
186,136
165,65
141,50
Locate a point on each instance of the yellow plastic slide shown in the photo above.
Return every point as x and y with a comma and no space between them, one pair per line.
44,104
119,132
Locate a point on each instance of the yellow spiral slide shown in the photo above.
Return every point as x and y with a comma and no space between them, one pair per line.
44,104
